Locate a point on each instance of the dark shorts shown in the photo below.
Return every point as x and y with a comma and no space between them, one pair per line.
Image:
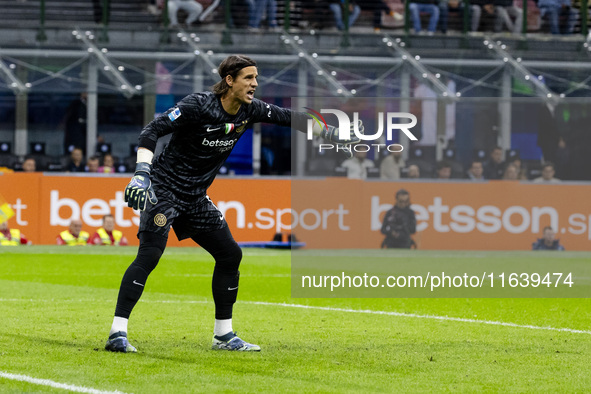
187,218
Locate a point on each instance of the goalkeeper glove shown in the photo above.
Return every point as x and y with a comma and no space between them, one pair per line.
140,187
331,133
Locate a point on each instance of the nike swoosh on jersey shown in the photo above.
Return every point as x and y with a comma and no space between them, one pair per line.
214,129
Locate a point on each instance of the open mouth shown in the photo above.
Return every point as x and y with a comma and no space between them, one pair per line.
250,94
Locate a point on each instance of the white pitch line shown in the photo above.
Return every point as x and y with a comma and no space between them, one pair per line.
347,310
56,385
417,316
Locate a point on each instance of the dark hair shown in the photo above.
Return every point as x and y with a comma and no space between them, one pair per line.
548,164
231,66
30,157
402,192
547,228
93,158
475,161
443,164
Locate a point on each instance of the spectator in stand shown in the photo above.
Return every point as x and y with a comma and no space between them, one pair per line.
73,235
511,173
92,164
457,6
521,170
108,166
357,165
379,7
29,165
336,6
155,7
76,161
443,170
107,235
12,237
391,165
476,171
547,242
414,172
257,11
548,172
478,6
417,7
493,168
555,10
191,7
504,11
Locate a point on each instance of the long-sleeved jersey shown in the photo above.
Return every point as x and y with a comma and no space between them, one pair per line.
203,135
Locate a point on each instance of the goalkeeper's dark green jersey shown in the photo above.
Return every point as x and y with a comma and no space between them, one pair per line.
203,135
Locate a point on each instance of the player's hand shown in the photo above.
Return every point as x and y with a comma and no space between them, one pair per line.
140,188
331,134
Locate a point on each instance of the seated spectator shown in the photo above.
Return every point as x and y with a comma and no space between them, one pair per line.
336,6
317,13
414,172
92,165
357,165
107,235
108,166
547,242
478,8
475,172
456,6
521,170
548,172
73,235
76,164
504,11
258,8
494,167
443,170
391,165
12,237
510,173
191,7
555,10
155,7
416,7
30,164
379,7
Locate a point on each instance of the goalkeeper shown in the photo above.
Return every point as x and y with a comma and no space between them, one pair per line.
172,189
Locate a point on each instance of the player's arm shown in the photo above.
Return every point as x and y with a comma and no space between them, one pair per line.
139,190
59,240
270,113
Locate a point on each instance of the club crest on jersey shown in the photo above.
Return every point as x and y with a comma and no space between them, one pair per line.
160,220
174,114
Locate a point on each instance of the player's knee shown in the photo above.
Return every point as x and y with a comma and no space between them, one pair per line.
151,248
230,259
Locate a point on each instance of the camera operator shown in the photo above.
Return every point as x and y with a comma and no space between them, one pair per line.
399,223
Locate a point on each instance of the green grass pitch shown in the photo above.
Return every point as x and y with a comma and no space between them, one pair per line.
56,308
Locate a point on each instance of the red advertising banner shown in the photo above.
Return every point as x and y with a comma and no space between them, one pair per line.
324,213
